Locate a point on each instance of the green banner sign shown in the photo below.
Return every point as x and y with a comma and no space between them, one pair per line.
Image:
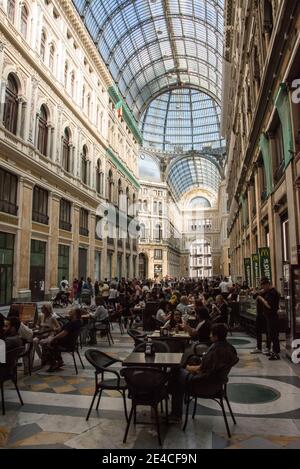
265,263
255,270
247,267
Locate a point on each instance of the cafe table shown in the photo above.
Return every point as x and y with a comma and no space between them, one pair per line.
163,360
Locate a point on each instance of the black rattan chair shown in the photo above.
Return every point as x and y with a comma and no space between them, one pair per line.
101,362
218,396
137,336
8,372
146,387
72,349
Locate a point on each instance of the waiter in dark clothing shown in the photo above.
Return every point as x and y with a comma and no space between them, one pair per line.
270,301
261,326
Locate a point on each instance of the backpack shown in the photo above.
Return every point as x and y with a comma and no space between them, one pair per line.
193,354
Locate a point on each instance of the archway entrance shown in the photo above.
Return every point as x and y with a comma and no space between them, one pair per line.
200,259
143,267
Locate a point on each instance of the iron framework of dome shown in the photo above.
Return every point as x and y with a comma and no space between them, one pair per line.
165,54
182,120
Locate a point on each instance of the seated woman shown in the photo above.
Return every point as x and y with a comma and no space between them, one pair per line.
201,332
219,310
161,314
175,321
47,325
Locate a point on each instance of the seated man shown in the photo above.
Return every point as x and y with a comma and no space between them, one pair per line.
99,316
205,378
64,339
11,337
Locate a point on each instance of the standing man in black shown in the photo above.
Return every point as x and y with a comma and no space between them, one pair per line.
261,326
270,301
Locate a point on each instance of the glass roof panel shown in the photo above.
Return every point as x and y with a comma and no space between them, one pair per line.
182,120
139,39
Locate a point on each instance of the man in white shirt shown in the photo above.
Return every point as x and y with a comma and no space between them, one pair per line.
224,286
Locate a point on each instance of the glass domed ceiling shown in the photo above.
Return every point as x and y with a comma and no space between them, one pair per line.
151,46
182,120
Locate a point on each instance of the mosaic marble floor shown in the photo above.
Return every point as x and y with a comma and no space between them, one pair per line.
265,398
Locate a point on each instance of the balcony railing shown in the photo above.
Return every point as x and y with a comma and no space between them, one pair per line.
40,217
8,207
83,231
64,225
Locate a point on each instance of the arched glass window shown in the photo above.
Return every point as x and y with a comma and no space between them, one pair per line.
158,232
83,98
88,105
155,207
51,57
43,131
10,117
24,21
66,157
66,75
145,205
84,164
127,200
43,46
99,177
11,9
110,186
72,84
142,231
160,208
120,192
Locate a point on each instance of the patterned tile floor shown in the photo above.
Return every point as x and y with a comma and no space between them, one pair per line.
265,397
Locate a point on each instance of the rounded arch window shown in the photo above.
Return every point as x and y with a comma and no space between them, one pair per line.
66,160
110,186
199,202
99,177
24,21
10,116
51,57
84,165
43,45
43,131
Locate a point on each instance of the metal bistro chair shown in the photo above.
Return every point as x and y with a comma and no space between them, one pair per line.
101,362
74,348
146,387
137,336
104,328
8,372
219,396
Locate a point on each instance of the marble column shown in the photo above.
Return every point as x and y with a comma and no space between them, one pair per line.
23,244
54,200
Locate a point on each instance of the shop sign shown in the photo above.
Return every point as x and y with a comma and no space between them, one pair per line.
265,263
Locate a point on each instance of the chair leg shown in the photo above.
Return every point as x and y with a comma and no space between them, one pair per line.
195,408
186,413
77,351
125,406
18,392
157,424
2,399
75,364
230,410
99,398
225,417
91,406
128,423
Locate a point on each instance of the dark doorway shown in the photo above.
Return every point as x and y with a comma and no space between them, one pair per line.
143,267
7,241
37,270
82,263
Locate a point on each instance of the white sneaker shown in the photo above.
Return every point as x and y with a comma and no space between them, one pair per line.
256,350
